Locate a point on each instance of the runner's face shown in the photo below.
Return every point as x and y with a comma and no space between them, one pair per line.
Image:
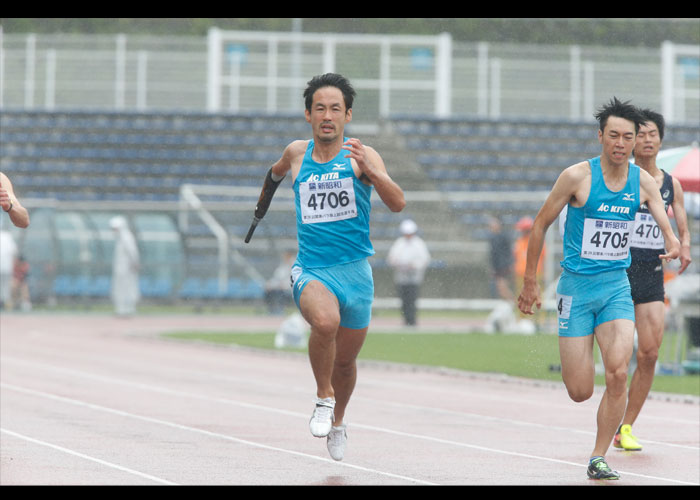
648,141
617,139
328,115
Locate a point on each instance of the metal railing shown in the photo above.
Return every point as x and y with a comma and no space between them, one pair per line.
418,75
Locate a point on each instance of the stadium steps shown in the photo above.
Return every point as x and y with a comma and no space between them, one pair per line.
105,156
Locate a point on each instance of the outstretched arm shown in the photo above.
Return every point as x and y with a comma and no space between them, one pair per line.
11,205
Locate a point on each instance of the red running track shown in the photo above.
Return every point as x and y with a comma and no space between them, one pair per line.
96,400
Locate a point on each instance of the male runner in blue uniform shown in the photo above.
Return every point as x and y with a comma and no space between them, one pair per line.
332,281
646,273
602,196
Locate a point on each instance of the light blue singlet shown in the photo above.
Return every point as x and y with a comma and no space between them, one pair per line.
593,288
597,235
332,207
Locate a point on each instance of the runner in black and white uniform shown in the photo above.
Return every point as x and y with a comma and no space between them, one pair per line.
646,272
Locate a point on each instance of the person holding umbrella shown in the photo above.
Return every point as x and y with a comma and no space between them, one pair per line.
646,273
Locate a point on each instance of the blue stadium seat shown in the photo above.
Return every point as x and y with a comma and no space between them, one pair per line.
155,287
192,288
100,286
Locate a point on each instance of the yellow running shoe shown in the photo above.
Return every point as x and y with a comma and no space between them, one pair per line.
625,440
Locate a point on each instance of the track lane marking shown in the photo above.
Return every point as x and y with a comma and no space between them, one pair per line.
217,435
86,457
296,414
153,388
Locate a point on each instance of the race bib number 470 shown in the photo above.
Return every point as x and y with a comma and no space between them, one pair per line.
647,233
606,239
327,201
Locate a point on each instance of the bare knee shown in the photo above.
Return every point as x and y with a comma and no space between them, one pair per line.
345,363
344,367
616,380
580,394
579,390
325,325
647,357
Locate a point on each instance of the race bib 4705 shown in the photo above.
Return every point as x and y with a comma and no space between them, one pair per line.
606,239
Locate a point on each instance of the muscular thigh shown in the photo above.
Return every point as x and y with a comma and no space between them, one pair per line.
318,305
616,340
650,320
577,365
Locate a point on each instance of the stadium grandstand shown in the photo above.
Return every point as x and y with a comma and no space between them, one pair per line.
176,133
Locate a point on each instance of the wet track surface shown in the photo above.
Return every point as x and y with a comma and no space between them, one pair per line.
96,400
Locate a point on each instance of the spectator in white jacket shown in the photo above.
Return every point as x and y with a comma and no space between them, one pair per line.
409,258
125,270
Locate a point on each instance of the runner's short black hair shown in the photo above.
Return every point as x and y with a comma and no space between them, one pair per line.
620,109
329,80
654,117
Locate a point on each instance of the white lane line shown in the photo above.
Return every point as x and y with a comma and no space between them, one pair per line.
217,435
296,414
86,457
162,390
511,453
513,401
510,421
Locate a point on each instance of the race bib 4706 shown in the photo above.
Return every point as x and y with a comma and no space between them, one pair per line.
327,201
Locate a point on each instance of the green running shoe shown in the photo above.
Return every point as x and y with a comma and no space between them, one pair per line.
598,469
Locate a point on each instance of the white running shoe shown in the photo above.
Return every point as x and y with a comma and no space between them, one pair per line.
322,418
337,439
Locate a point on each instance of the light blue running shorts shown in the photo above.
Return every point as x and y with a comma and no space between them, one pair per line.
585,301
351,283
